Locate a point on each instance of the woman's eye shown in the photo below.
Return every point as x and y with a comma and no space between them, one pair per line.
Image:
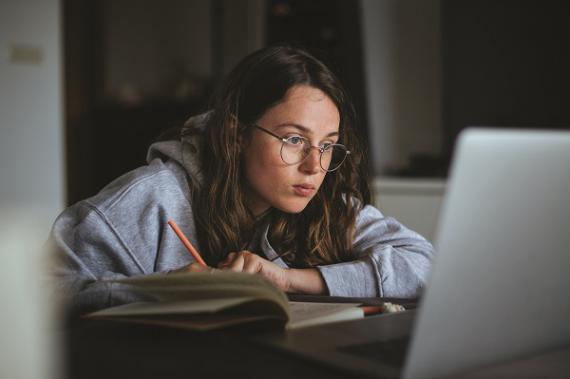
294,140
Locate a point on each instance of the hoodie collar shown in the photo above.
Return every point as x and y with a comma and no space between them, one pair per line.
186,151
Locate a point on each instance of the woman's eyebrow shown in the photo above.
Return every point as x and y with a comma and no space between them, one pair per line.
304,129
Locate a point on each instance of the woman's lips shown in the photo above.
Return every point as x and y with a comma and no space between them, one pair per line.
304,190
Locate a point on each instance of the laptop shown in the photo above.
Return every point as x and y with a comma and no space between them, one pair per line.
499,285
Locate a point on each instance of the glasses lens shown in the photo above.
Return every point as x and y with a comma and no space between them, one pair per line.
295,149
333,156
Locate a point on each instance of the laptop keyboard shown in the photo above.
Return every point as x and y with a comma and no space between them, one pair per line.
390,352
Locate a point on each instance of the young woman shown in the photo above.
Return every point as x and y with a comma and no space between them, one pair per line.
271,181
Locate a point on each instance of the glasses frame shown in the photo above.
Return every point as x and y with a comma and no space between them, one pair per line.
321,149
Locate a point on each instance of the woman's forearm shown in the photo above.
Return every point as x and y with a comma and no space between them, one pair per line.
306,281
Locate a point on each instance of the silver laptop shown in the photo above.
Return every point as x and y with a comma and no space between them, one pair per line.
500,282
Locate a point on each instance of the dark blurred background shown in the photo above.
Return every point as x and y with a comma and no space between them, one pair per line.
418,71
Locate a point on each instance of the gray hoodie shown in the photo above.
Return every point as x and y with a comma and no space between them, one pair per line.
122,231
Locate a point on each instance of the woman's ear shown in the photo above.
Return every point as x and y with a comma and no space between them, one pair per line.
243,132
233,121
242,137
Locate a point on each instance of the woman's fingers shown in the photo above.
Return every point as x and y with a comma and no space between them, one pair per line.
236,264
197,267
231,256
192,267
252,263
244,261
226,262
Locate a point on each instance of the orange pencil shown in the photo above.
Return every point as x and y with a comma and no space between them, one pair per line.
372,309
186,243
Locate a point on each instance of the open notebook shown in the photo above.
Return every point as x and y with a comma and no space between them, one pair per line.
205,301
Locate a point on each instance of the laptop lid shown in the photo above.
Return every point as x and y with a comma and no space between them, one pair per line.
499,288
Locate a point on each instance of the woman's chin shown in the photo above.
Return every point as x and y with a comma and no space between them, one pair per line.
292,206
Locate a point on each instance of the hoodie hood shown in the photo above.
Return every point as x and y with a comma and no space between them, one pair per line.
186,151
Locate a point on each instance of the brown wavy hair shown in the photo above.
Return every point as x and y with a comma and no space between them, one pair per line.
323,232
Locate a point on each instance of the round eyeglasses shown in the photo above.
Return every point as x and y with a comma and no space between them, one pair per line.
296,149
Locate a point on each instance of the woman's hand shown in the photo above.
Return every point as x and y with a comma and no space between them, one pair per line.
246,261
192,267
306,281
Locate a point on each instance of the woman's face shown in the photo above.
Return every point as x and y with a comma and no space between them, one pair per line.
305,111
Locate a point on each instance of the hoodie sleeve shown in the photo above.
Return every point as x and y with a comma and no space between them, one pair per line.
88,251
392,261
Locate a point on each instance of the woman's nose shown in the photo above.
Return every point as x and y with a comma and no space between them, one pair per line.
312,164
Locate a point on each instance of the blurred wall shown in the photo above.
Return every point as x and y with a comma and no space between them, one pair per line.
146,43
402,63
31,154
